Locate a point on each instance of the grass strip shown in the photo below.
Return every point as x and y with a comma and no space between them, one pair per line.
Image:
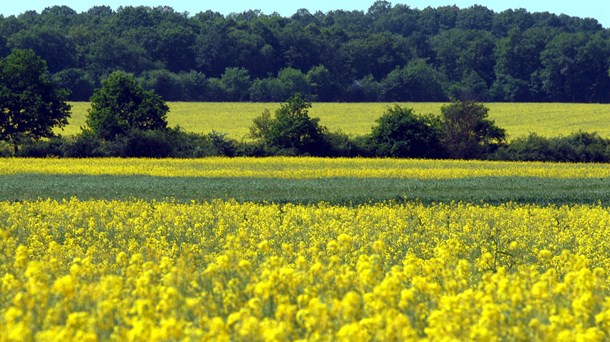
345,191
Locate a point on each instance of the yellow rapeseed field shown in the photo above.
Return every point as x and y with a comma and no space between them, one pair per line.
221,271
136,270
302,167
234,118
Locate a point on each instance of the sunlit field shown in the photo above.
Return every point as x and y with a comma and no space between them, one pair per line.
519,119
296,249
149,271
302,168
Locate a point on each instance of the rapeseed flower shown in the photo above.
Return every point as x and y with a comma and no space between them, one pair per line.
139,270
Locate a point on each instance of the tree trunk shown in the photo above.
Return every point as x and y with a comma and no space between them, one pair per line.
15,139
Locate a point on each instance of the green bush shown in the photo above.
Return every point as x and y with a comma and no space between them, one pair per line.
340,144
291,131
122,106
467,131
403,134
190,145
52,147
173,143
577,147
85,144
221,144
144,143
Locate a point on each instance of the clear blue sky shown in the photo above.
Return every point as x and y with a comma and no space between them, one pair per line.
598,9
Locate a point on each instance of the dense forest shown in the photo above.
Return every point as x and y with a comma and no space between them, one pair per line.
388,53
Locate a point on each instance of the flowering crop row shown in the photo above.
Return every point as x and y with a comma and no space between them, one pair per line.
146,270
301,168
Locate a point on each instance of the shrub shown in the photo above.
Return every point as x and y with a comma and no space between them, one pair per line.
403,134
221,145
85,144
467,132
122,105
577,147
340,144
144,143
52,147
291,131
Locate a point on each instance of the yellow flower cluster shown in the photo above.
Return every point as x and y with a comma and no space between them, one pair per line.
301,167
143,271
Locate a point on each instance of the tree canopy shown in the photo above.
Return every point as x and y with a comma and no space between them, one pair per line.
388,53
401,133
31,105
468,132
121,105
291,130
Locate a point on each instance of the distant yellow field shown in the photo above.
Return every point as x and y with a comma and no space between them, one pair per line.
302,168
519,119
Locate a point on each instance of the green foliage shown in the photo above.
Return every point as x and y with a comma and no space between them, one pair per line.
172,142
78,80
52,147
322,84
291,131
293,81
289,81
390,52
580,147
417,81
141,143
51,44
467,61
377,54
365,89
221,145
112,53
83,145
31,105
261,125
339,144
518,64
267,90
401,133
467,132
236,82
122,105
574,66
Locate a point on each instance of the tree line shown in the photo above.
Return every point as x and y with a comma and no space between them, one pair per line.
126,120
387,53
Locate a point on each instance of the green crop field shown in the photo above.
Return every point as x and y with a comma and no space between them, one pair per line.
234,118
304,180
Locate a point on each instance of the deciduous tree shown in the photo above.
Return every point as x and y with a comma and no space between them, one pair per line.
122,105
31,105
292,129
401,133
467,132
